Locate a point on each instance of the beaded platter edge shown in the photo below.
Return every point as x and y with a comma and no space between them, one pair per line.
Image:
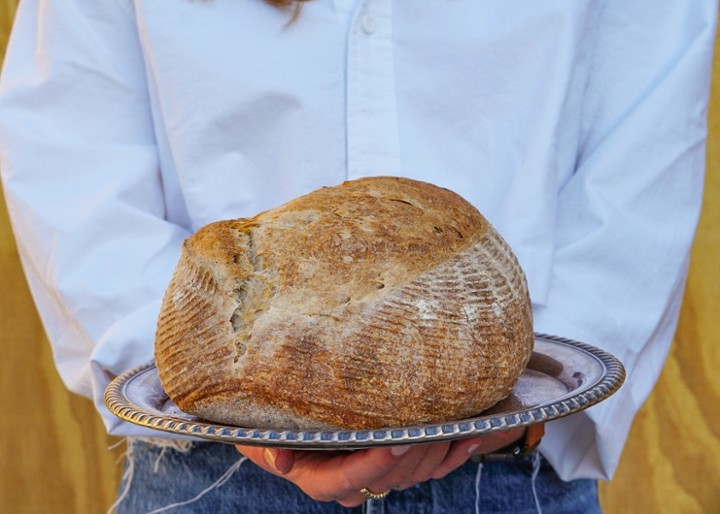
599,388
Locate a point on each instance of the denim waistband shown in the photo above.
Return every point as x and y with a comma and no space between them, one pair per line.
201,477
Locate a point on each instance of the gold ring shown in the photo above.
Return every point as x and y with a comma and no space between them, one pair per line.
367,493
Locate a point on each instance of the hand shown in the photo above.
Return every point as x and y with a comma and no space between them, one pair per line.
340,475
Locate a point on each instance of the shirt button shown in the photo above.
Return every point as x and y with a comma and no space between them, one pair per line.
368,24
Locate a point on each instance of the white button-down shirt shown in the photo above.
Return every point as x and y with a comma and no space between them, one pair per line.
577,127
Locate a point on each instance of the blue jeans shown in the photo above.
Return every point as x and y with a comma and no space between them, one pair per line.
210,478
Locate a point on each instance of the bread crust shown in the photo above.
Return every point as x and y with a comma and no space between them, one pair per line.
378,302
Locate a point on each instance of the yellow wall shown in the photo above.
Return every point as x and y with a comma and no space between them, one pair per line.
55,456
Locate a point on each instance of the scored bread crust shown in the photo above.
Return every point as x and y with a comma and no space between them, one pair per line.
378,302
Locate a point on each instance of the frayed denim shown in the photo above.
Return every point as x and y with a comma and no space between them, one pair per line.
213,478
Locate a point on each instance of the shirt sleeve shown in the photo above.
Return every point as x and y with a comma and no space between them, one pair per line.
626,218
84,191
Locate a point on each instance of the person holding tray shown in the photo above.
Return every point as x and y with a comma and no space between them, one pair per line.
576,127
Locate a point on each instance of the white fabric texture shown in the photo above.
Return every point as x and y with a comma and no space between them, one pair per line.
577,127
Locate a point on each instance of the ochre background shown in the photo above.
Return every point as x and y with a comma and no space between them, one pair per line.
55,456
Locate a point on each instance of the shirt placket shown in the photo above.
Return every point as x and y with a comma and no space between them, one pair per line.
373,146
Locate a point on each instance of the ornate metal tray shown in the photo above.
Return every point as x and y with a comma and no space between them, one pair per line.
563,377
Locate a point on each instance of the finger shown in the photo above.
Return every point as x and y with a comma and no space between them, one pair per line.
404,460
367,468
458,453
496,440
339,476
434,456
276,461
415,467
328,475
462,449
401,474
282,461
254,453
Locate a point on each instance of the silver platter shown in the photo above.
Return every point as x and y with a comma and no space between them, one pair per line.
562,377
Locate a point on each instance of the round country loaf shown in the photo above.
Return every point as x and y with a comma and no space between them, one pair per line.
378,302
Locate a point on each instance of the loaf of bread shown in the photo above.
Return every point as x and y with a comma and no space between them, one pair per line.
379,302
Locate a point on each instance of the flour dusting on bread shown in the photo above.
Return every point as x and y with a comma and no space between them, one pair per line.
379,302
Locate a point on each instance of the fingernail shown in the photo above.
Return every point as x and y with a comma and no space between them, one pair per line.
280,461
399,450
472,448
270,457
